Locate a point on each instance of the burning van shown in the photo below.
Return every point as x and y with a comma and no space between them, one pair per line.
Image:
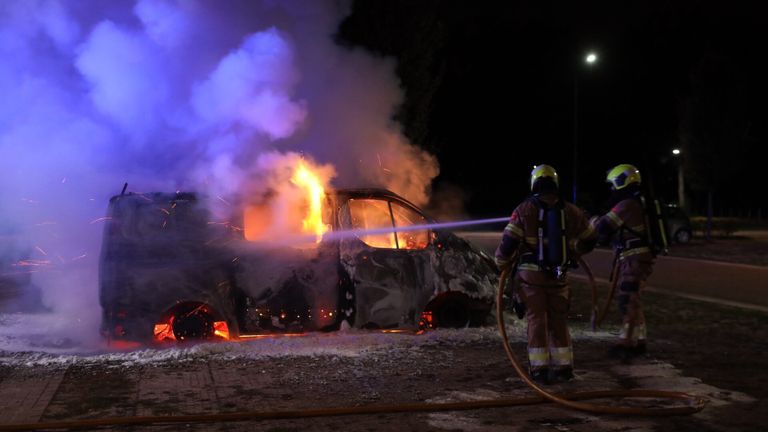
171,270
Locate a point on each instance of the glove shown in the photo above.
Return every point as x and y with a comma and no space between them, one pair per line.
518,306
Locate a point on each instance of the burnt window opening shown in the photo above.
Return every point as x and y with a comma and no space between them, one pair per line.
373,214
405,217
381,216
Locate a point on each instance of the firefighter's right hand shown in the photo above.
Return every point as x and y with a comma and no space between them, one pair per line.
518,306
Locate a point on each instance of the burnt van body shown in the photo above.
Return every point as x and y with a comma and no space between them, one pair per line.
169,271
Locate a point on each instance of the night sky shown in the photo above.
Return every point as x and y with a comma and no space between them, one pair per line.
490,91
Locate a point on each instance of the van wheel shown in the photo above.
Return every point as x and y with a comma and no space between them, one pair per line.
683,236
193,325
451,311
190,321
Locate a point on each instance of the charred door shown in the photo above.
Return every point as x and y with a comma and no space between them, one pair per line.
389,269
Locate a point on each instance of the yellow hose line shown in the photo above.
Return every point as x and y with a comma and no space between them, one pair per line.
295,414
694,403
593,319
611,293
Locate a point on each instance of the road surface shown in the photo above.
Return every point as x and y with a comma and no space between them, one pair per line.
735,284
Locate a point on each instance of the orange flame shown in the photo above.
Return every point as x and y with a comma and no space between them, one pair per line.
310,182
221,329
293,209
163,332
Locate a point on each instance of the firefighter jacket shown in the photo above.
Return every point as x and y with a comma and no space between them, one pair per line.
522,234
626,221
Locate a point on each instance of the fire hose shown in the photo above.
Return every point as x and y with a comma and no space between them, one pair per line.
614,279
693,404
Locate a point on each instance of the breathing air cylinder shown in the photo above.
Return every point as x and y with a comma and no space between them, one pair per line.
553,252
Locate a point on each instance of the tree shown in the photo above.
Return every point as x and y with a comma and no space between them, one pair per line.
714,129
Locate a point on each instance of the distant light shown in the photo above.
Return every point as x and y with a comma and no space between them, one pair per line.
591,58
675,152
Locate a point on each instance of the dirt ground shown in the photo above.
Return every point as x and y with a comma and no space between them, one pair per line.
710,350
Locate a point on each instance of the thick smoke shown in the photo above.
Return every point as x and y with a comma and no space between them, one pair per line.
174,95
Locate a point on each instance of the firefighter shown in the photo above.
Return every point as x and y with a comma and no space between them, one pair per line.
625,224
548,234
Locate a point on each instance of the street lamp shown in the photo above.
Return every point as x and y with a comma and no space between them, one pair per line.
680,180
589,59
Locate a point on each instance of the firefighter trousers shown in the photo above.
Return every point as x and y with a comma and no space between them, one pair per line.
633,272
549,341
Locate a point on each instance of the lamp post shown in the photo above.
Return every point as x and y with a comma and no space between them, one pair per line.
589,59
680,179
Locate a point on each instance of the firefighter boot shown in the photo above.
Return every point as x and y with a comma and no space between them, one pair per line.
540,376
640,349
621,352
563,375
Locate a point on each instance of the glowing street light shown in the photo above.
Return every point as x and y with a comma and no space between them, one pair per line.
680,178
590,59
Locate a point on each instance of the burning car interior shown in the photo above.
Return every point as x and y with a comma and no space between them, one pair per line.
172,269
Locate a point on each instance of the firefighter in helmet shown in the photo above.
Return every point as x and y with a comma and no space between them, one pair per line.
548,234
625,224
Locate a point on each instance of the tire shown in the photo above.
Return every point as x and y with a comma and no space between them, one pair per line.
193,325
452,312
683,236
190,321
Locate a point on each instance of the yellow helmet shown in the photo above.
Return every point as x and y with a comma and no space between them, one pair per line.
622,176
542,171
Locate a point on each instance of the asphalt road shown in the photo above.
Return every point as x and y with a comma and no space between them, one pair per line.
725,283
